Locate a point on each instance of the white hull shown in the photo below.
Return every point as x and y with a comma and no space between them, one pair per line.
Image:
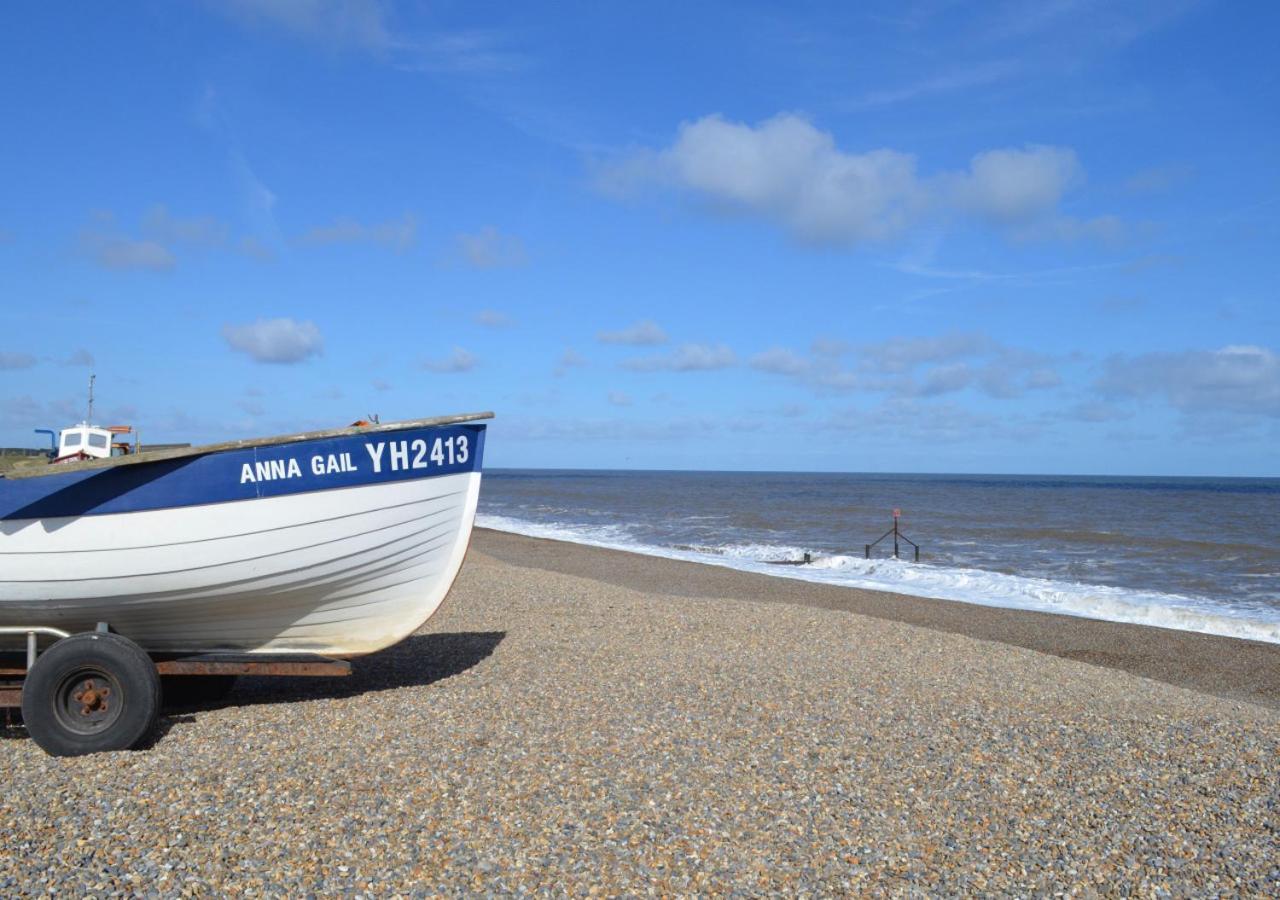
338,572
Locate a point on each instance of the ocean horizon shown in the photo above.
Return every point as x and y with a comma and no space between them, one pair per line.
1187,552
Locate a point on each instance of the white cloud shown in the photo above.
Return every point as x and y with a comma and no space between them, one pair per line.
275,340
787,171
370,26
916,366
492,318
911,421
489,249
902,354
16,360
110,247
255,249
1017,186
103,243
643,333
686,358
949,82
380,385
570,359
824,346
1094,412
780,361
459,360
618,398
1158,179
81,357
360,24
201,231
946,379
397,234
1233,379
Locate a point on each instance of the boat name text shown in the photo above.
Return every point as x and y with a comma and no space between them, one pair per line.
392,456
277,469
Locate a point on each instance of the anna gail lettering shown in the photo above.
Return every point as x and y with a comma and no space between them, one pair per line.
392,456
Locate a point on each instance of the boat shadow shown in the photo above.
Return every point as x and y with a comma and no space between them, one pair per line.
417,661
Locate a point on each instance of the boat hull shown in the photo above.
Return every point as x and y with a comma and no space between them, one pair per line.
330,547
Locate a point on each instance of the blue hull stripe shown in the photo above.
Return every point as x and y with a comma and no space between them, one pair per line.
233,475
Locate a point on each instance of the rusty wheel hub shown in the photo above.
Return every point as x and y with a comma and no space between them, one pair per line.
87,701
92,697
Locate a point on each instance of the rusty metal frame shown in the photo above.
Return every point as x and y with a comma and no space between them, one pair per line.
204,664
217,664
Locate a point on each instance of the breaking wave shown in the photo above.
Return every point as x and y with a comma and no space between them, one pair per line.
968,585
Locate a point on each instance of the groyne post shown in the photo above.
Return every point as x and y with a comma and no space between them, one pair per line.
897,536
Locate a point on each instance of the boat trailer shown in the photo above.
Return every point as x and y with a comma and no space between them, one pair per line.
98,690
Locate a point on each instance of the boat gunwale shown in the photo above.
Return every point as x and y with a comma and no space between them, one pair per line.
246,444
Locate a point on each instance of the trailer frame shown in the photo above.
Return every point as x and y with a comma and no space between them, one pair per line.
16,664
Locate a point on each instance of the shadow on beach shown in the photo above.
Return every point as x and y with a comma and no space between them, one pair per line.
417,661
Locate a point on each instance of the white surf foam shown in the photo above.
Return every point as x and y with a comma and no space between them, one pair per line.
978,586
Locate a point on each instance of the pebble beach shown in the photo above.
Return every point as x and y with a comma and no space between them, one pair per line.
584,721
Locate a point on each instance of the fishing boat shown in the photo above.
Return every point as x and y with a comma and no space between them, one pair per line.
335,543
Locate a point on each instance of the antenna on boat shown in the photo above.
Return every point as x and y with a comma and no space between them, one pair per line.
89,420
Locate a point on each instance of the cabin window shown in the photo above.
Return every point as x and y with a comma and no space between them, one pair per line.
71,440
98,441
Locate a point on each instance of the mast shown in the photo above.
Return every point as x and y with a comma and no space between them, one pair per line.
89,421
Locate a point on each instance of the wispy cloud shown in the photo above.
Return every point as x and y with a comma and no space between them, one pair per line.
1158,179
360,24
397,234
686,358
951,82
104,243
257,200
490,249
255,249
779,361
1241,379
492,318
80,357
459,360
10,360
570,359
371,27
281,341
646,332
198,231
920,366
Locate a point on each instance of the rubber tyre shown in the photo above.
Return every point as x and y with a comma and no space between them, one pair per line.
57,719
182,691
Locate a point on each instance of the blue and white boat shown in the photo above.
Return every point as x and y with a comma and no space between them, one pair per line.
338,542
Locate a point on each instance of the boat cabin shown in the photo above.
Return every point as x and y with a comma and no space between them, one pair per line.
86,441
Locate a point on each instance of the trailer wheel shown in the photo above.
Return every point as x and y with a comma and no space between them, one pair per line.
91,692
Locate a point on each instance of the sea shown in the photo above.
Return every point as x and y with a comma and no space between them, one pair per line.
1199,554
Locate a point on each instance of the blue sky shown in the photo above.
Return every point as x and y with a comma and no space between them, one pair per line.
994,237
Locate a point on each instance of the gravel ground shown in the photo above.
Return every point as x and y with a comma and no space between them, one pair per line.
555,733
